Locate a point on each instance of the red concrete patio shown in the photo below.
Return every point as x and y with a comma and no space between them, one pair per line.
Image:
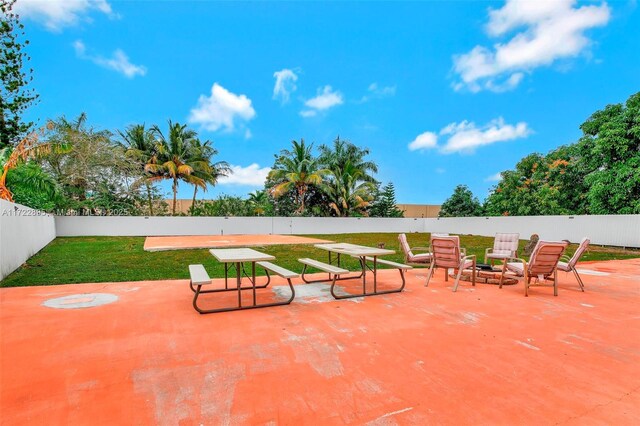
424,356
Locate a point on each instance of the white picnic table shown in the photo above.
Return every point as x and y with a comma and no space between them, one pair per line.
364,254
238,257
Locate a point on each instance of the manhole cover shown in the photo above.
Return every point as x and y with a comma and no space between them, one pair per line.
78,301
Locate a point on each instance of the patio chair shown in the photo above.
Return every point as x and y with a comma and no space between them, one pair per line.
418,259
567,264
448,254
505,246
542,265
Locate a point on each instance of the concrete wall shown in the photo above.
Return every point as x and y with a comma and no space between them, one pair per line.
23,232
615,230
419,210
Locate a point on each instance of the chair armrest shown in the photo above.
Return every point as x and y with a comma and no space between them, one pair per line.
517,259
463,251
488,250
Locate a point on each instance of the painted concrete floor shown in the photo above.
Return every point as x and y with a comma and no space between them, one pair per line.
222,241
424,356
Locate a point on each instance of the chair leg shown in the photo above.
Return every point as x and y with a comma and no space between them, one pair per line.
433,266
555,282
526,283
504,269
473,272
455,285
446,274
575,272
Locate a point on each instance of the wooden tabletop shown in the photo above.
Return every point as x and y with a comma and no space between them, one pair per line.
232,255
354,249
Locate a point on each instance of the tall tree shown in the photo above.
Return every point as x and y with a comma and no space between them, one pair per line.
348,192
139,144
91,165
15,96
296,169
177,158
205,169
343,152
462,203
385,204
611,146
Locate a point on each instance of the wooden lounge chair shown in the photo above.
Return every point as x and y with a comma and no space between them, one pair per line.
448,254
542,265
569,264
418,259
505,246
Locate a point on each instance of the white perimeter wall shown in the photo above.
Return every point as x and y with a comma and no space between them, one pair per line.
615,230
23,232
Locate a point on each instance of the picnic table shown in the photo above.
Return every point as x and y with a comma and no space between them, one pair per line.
366,256
237,258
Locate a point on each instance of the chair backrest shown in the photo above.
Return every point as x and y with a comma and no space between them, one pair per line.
446,251
584,244
404,245
506,244
545,257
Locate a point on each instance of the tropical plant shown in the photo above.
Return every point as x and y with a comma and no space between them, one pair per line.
349,194
177,158
343,153
15,97
206,170
296,170
28,148
90,162
30,184
259,203
139,145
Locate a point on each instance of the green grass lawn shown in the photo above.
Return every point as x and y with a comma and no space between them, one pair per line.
105,259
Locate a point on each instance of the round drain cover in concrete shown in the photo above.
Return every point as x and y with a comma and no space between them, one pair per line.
78,301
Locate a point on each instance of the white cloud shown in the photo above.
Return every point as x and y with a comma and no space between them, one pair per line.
466,136
252,175
494,178
248,134
549,30
118,61
377,92
221,109
57,14
325,99
426,140
285,84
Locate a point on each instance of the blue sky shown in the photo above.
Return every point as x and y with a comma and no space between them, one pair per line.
442,93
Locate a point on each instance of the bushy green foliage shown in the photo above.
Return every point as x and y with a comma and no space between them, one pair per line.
462,203
224,205
600,174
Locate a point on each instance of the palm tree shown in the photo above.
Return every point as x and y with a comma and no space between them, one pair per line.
347,190
258,200
177,158
336,158
350,183
206,170
296,169
140,145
